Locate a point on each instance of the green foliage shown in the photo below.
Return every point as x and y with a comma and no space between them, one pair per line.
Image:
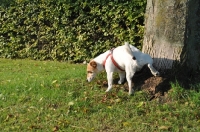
67,30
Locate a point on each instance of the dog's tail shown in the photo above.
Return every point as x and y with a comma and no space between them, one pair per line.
128,49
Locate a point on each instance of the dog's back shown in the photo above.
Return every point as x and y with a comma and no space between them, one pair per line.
123,55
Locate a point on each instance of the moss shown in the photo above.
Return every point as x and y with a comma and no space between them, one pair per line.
170,20
160,18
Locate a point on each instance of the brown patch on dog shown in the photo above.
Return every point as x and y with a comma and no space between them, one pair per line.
91,68
93,64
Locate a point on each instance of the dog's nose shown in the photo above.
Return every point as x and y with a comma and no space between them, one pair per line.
88,80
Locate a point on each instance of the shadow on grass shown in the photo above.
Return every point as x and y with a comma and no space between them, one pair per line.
156,86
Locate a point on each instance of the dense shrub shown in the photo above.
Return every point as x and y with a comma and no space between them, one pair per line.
68,30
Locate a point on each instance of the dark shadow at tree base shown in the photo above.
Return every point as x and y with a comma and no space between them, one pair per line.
160,85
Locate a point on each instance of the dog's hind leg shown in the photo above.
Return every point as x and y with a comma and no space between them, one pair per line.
129,80
121,77
110,81
153,70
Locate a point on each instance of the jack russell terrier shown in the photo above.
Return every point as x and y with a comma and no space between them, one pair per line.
125,60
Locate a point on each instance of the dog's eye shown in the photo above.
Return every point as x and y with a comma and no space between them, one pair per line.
89,72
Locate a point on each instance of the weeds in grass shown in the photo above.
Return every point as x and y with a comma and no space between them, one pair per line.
54,96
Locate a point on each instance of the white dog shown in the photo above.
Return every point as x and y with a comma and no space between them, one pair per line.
125,60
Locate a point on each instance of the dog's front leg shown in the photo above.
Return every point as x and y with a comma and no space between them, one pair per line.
110,80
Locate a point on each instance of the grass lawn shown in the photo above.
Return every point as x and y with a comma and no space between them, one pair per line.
54,96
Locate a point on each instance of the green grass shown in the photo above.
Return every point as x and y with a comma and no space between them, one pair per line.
54,96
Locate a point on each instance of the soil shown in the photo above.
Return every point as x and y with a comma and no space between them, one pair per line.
156,87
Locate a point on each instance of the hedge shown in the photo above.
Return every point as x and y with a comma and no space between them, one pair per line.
68,30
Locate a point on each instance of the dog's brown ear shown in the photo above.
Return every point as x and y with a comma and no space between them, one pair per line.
93,64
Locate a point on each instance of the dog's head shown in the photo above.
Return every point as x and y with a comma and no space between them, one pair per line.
91,70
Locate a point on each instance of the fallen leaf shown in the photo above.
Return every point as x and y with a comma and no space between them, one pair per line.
125,124
164,127
56,128
54,81
140,104
109,107
118,100
71,103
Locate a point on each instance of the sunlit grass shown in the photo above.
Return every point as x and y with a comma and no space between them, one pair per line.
54,96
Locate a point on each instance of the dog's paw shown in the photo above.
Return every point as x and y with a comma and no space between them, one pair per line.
119,82
131,92
157,74
108,90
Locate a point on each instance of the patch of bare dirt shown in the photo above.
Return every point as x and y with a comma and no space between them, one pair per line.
156,87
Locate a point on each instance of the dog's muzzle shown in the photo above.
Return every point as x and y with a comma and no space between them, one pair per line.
89,79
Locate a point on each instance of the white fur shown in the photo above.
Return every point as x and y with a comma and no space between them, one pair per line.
123,55
143,59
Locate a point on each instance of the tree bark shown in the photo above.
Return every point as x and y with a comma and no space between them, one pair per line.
172,33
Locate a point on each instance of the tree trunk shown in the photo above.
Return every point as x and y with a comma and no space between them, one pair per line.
172,33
